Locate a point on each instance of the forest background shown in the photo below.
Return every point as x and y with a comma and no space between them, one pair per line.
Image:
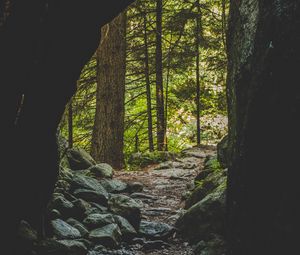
156,83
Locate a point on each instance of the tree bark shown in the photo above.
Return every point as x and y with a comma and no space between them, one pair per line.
198,89
264,109
159,80
148,87
108,132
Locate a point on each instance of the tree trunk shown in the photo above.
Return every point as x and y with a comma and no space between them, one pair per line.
148,87
108,133
159,80
264,110
198,31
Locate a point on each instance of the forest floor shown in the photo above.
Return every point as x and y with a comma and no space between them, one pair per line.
165,185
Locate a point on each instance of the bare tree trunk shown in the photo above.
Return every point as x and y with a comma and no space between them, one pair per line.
148,88
108,133
159,80
198,88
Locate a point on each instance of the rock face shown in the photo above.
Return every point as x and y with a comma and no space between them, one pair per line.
264,53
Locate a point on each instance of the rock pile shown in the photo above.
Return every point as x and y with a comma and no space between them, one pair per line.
92,213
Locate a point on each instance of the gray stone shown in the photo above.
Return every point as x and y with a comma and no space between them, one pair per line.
114,186
88,183
155,230
63,230
78,225
127,230
109,235
64,206
102,170
94,221
92,196
127,208
79,159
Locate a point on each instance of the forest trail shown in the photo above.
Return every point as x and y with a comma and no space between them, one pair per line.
165,185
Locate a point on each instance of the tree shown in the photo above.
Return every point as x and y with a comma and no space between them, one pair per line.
107,141
148,86
160,112
198,89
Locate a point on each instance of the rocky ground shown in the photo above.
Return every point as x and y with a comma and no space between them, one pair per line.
153,210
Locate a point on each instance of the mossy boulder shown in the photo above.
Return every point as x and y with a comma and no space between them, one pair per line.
206,217
79,159
206,181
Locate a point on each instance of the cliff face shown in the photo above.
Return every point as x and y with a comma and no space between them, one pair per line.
264,109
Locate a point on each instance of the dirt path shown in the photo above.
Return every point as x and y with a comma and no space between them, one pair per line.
164,186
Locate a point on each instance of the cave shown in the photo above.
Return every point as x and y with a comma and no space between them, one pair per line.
41,56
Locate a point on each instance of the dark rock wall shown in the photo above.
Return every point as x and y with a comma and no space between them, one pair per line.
264,111
43,47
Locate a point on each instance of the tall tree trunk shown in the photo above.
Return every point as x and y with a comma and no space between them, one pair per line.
264,109
70,124
148,87
159,80
108,133
198,31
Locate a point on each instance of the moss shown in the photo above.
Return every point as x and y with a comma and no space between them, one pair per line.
138,160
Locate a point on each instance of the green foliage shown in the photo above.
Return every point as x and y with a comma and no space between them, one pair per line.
140,160
179,65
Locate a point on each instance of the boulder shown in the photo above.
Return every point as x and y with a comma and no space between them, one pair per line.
79,226
114,186
206,217
80,208
94,221
127,230
109,235
155,230
79,159
205,187
102,170
95,196
64,206
88,183
127,208
63,230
